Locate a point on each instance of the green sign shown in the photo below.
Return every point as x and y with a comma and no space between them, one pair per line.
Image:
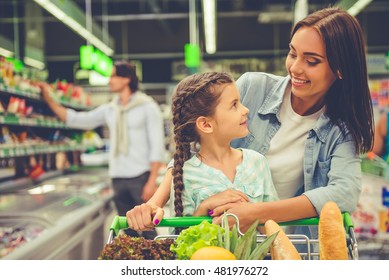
94,59
192,55
86,57
103,64
17,64
387,61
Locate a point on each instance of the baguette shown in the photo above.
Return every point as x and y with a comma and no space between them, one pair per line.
332,238
282,248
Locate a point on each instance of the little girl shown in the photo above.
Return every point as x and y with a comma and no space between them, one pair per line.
207,111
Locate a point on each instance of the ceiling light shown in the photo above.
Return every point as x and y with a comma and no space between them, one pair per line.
359,6
6,53
6,47
301,10
209,12
75,25
34,63
353,7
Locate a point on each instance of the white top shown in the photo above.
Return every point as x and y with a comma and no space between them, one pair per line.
287,149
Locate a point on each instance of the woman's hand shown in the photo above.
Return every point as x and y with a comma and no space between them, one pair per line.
247,213
290,209
144,217
220,199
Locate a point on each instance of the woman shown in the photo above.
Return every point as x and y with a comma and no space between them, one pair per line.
311,125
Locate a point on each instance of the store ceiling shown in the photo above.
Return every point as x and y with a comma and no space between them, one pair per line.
155,31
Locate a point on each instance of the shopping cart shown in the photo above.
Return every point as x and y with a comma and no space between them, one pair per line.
374,165
120,223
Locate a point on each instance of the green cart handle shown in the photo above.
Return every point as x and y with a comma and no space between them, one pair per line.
347,222
120,222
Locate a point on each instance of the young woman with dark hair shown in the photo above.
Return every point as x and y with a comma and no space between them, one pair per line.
311,125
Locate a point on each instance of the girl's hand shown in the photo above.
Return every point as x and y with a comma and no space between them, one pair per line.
223,198
144,217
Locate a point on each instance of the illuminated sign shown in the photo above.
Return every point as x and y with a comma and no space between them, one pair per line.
94,59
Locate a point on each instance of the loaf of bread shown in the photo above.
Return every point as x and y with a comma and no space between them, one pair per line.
282,248
332,238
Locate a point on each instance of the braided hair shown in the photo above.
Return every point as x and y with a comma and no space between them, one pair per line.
195,96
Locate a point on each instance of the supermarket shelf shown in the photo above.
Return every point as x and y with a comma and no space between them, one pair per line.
19,93
74,105
11,119
37,97
27,150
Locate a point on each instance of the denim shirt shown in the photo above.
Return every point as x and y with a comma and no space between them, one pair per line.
332,170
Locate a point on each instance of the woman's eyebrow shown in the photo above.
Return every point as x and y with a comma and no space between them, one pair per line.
307,53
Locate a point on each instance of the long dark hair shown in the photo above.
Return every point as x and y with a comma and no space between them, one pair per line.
195,96
348,101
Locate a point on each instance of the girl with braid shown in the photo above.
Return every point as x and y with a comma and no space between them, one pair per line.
207,111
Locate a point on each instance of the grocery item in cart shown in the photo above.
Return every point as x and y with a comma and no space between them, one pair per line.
282,248
207,235
332,239
125,247
213,253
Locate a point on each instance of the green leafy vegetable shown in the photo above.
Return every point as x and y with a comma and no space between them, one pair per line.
125,247
205,234
196,237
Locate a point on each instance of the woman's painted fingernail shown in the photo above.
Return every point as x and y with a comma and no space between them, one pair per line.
210,212
156,222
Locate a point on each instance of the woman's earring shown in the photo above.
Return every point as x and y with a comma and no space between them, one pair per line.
340,75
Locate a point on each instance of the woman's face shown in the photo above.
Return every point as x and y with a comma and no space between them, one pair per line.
308,67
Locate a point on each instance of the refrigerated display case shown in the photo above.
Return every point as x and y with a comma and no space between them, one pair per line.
67,214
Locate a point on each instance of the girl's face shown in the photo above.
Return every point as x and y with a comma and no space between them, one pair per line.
307,64
230,116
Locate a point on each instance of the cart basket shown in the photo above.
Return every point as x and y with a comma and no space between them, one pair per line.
120,223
